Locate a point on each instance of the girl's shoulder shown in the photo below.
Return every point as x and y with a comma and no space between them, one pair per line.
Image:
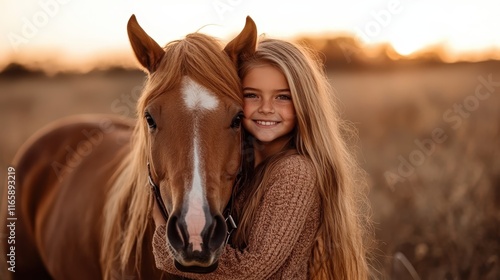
294,166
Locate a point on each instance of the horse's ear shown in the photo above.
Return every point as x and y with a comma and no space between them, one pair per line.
147,51
244,44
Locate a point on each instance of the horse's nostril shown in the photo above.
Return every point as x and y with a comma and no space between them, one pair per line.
175,234
218,233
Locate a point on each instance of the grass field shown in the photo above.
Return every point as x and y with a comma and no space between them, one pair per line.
429,140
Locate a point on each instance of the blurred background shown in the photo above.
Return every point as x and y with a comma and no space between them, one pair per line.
420,81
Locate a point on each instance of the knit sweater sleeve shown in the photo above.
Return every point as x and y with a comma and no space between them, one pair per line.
280,219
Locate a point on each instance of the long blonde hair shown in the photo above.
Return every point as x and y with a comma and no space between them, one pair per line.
126,216
339,250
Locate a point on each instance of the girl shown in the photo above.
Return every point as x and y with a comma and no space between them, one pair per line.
300,216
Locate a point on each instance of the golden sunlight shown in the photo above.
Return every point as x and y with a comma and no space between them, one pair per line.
75,33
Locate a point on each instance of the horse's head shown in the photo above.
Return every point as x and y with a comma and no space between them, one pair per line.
190,114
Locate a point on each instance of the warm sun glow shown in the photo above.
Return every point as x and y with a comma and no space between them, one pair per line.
407,46
76,32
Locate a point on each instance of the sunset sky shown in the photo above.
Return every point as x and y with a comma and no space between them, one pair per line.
73,32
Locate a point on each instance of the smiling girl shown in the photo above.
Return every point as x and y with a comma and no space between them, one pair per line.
268,108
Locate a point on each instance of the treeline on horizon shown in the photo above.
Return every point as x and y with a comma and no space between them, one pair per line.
342,53
347,53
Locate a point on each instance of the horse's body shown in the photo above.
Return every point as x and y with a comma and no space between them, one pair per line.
83,201
63,175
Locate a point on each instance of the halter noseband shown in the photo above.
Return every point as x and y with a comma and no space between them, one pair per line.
231,225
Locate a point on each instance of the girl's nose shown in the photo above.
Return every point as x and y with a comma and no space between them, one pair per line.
266,107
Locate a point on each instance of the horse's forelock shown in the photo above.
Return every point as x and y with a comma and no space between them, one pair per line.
200,57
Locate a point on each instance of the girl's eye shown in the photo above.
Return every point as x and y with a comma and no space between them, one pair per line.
249,95
151,122
284,97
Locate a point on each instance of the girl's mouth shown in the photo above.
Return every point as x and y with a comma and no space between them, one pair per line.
266,123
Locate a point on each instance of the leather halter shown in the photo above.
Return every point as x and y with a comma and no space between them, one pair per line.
231,225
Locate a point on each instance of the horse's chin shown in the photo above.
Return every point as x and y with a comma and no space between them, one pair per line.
197,269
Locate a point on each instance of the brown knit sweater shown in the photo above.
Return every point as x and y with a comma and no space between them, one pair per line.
281,241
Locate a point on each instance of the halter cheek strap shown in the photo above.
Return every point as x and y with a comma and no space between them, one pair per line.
156,193
231,225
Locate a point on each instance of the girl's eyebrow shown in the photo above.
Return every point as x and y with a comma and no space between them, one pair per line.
250,88
283,90
258,90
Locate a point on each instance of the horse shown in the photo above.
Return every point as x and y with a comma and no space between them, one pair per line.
83,194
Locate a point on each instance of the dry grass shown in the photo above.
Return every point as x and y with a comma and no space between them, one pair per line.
443,217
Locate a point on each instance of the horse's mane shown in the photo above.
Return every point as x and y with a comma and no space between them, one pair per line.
127,211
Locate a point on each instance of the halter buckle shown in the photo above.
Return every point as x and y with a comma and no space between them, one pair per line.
231,227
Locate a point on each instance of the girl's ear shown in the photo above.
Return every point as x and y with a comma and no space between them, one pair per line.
244,44
147,51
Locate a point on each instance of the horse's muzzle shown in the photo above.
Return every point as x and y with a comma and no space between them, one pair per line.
213,240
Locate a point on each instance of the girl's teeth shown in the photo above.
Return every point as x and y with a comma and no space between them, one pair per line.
266,123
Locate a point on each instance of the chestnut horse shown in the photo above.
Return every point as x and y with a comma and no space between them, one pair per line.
83,194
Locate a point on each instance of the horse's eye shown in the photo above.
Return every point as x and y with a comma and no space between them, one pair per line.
150,121
236,122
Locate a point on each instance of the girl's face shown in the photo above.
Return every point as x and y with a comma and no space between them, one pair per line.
268,106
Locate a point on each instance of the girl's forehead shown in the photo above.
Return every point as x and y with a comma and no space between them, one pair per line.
264,74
